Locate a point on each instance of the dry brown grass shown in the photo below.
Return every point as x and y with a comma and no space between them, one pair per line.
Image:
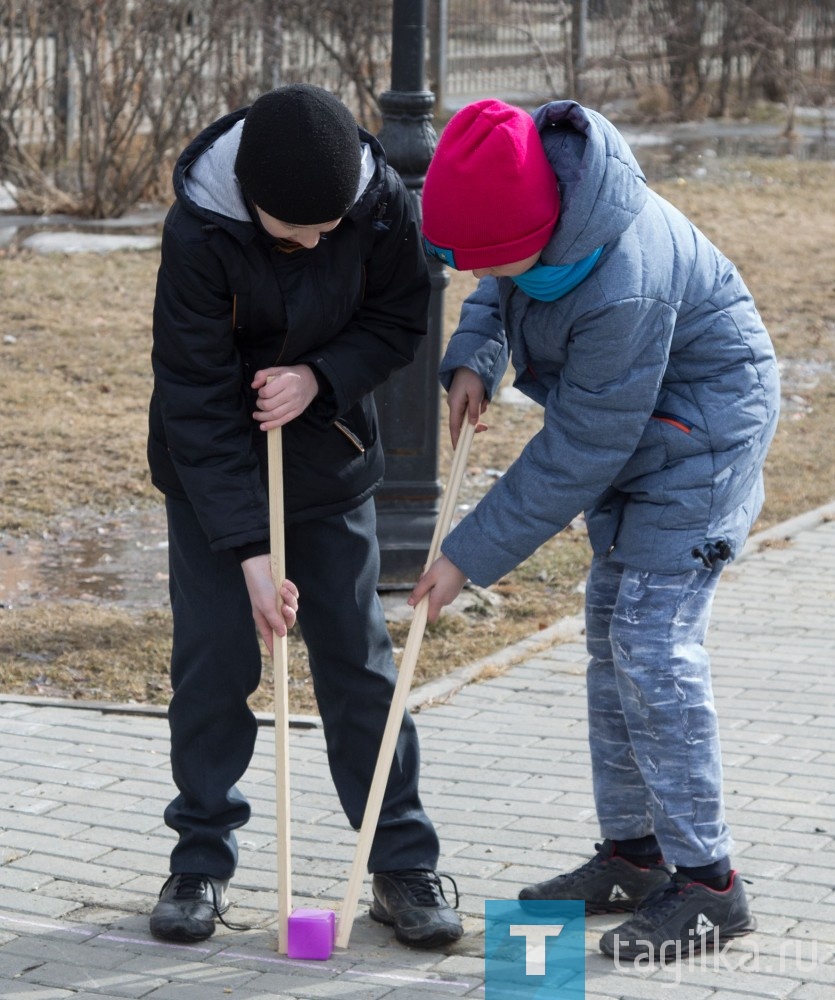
75,386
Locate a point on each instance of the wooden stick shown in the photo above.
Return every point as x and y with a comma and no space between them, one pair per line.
282,713
399,699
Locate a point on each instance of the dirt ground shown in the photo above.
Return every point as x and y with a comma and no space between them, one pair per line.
75,374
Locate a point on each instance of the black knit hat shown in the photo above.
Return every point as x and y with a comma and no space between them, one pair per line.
299,157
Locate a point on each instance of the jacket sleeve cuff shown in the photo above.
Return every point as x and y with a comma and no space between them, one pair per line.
252,549
325,388
324,408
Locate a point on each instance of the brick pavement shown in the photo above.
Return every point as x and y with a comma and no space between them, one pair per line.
83,849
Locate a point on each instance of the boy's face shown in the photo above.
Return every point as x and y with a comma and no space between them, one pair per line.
512,270
300,236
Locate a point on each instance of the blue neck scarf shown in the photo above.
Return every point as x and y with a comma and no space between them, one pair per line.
549,283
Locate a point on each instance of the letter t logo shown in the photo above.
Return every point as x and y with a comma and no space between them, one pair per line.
535,936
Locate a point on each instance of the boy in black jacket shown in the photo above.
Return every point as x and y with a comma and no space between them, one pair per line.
291,255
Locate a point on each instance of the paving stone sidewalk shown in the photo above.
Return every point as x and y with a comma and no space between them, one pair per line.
83,850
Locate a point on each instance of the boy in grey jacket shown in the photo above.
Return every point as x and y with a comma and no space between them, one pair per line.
661,395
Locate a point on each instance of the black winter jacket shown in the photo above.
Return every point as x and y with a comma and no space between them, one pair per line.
228,302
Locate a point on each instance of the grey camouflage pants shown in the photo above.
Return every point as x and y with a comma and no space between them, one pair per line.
653,734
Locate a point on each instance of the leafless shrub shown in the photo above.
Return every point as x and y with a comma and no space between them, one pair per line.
356,39
730,54
97,97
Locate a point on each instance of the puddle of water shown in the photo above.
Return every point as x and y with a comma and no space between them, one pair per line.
121,561
797,374
705,148
797,377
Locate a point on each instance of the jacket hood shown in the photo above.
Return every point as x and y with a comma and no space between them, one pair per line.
205,180
602,188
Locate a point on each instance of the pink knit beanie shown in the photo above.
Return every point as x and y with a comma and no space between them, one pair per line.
490,196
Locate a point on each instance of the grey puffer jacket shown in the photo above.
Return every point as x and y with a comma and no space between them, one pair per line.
658,379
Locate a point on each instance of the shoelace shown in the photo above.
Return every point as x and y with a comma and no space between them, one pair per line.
568,878
194,887
664,898
425,887
191,887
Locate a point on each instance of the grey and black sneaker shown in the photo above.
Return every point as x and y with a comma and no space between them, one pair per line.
681,919
188,907
412,901
607,883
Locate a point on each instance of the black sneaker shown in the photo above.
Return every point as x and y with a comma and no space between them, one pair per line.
681,919
188,906
413,903
607,883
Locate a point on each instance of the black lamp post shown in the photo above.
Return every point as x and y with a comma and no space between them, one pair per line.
408,502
